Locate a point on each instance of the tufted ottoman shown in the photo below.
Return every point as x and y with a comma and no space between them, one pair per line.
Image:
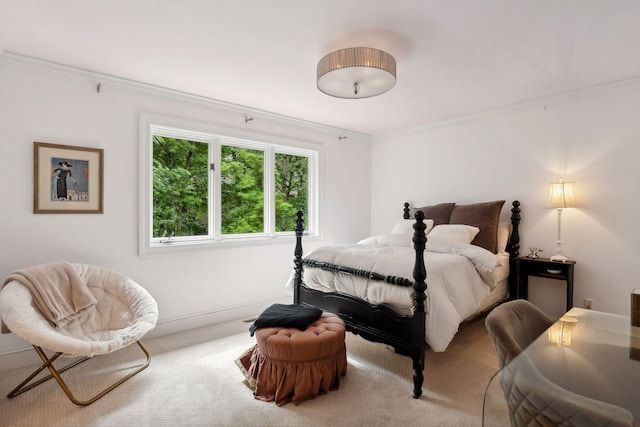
288,364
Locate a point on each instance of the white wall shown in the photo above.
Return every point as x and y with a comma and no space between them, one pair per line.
591,138
41,102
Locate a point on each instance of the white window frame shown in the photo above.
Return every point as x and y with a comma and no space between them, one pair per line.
216,136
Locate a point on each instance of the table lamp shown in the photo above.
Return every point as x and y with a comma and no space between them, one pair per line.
560,197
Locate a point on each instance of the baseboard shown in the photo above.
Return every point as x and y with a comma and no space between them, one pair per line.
198,320
229,321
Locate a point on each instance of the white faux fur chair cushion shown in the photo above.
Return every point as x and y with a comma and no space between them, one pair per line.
124,312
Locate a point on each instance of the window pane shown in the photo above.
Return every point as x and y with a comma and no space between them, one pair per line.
180,187
291,189
242,190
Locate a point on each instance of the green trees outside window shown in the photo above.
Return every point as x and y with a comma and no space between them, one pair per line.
242,187
180,187
292,189
183,180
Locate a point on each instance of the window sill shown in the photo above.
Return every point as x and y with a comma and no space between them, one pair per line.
191,246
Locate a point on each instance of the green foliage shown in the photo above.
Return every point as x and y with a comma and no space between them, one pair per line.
180,188
180,181
291,189
242,176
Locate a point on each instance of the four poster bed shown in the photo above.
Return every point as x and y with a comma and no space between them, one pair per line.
468,254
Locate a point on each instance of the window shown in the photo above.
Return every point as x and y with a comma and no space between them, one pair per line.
205,188
180,187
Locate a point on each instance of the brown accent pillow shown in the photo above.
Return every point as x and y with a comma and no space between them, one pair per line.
439,213
486,217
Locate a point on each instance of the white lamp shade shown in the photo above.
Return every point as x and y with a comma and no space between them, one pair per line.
561,195
356,72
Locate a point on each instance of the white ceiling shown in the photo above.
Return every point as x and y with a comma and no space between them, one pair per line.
454,58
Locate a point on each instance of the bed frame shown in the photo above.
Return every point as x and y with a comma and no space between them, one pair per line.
406,334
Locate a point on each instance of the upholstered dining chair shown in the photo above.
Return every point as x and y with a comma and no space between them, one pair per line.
513,326
113,312
533,399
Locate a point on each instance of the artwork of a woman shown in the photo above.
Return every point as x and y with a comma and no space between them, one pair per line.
61,174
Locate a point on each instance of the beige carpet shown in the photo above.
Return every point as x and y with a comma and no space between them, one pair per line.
193,381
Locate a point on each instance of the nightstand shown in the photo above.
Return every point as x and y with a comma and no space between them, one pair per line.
543,267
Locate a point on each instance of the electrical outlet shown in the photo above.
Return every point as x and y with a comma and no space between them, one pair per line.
588,303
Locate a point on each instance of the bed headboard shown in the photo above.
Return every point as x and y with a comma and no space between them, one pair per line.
485,216
479,214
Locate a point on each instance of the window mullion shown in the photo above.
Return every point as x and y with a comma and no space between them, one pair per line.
215,190
269,192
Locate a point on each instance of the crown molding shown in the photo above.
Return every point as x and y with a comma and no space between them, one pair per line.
36,65
599,91
41,66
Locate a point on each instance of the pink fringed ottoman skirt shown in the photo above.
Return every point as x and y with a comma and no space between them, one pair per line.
288,365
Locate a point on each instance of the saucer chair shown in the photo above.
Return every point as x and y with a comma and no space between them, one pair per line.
122,314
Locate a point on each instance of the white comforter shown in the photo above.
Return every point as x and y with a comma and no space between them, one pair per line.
459,278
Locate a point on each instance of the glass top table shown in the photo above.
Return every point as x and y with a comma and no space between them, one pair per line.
596,376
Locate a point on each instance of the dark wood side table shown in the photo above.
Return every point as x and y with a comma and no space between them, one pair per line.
544,267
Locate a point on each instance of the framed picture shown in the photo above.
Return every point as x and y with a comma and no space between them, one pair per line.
67,179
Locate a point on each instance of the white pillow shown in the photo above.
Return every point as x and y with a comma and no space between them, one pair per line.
387,240
504,230
405,226
456,233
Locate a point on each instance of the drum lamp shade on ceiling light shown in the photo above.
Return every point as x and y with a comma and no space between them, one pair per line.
356,72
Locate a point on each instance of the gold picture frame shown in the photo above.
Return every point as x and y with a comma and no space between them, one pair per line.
67,179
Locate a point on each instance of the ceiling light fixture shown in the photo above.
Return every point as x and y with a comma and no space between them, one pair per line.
356,72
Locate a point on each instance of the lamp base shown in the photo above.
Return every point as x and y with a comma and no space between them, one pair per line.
559,258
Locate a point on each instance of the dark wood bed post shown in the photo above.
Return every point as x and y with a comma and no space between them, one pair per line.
297,260
406,214
514,248
419,297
